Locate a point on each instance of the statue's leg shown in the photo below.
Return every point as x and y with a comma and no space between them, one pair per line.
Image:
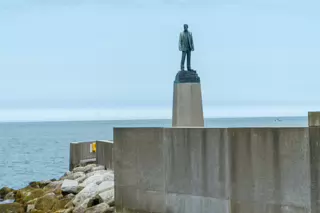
189,60
183,58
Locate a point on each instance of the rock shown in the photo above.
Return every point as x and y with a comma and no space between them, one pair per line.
11,208
100,167
74,176
70,196
102,207
10,196
4,191
61,203
106,185
89,191
46,202
81,207
30,207
37,211
81,179
107,195
69,186
111,203
69,210
69,205
44,183
50,202
27,194
79,169
34,184
95,201
108,176
89,167
54,185
97,179
99,172
110,210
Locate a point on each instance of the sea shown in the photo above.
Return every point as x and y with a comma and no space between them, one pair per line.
34,151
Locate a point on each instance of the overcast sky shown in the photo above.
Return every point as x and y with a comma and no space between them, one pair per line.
117,59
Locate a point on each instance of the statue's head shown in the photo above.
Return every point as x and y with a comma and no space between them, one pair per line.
185,26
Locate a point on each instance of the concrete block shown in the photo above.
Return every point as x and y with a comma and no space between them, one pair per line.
313,119
267,163
125,157
314,141
196,162
105,154
179,203
152,201
150,164
187,105
261,207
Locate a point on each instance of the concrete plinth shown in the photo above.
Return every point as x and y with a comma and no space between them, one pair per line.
187,105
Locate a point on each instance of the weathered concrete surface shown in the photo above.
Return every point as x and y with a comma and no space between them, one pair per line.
314,138
269,167
139,170
313,119
177,170
104,154
187,105
80,151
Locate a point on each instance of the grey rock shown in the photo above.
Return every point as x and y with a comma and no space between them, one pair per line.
99,172
111,203
97,179
70,196
70,186
88,192
81,207
54,185
101,208
98,168
107,196
79,169
106,185
81,179
96,200
10,196
30,207
74,176
89,167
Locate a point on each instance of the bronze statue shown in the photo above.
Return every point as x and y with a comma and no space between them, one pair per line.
186,46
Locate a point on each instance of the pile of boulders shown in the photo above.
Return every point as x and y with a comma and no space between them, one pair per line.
87,189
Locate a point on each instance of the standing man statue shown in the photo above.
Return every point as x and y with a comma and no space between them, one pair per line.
186,46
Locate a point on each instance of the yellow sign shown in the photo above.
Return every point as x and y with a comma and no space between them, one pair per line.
93,147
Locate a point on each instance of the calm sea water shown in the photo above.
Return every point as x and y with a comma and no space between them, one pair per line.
40,150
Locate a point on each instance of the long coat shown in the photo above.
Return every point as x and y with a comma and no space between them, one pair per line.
182,46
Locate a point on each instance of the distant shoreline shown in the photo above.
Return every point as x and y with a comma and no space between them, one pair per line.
158,119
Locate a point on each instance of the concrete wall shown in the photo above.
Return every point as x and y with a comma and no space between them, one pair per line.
80,151
191,170
104,154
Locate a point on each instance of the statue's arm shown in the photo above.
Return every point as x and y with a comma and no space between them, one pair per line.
192,45
180,41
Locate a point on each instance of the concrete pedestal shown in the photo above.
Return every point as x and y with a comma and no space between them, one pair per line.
187,105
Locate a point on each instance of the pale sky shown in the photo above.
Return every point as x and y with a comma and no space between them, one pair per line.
117,59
